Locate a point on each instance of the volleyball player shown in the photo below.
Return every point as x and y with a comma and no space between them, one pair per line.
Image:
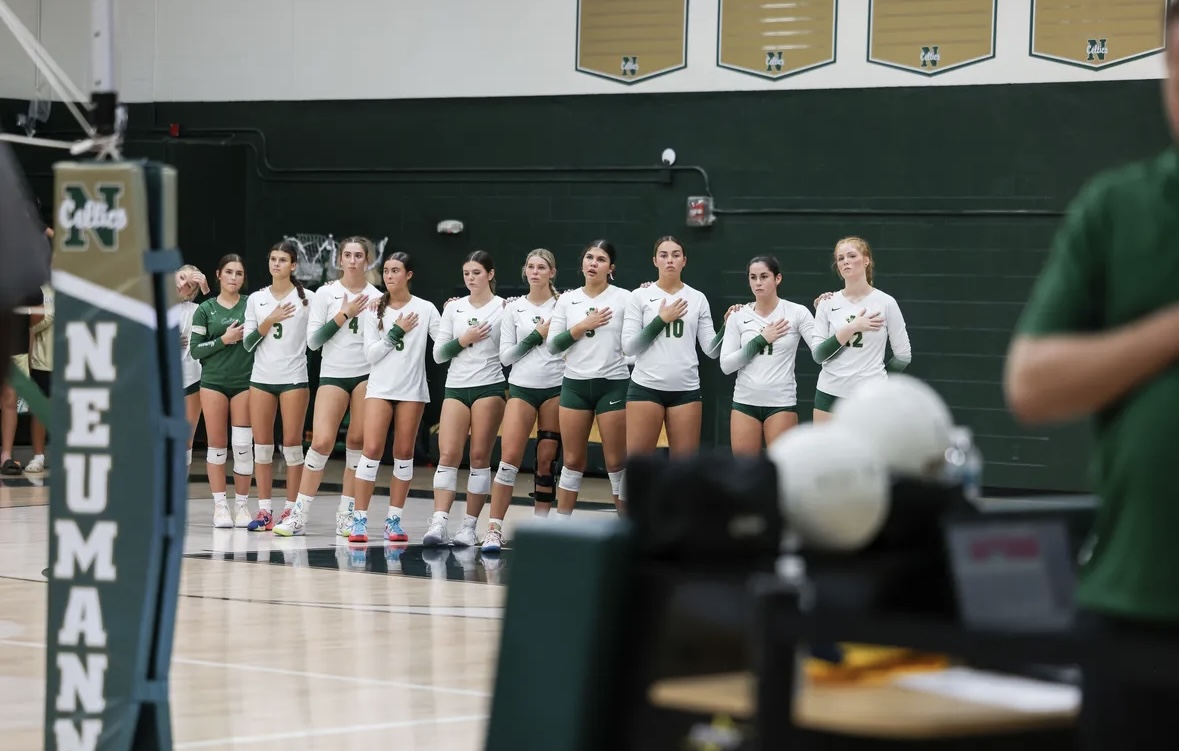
534,391
189,283
395,348
852,327
760,345
474,398
587,327
664,323
276,332
218,326
334,327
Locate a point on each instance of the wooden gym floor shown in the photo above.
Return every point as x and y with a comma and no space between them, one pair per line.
303,643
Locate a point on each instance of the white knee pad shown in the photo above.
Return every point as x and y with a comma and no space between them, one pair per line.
216,456
188,459
403,469
570,480
263,454
315,461
366,470
446,478
479,481
352,458
242,441
506,475
292,455
618,483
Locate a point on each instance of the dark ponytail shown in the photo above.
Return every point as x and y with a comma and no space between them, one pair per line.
407,263
286,246
483,258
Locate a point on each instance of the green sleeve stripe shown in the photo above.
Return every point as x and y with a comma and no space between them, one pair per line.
326,332
252,340
896,365
396,334
827,350
451,349
562,342
533,340
651,332
754,348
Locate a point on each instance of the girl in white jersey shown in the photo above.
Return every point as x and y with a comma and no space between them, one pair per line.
395,347
760,344
276,332
474,398
587,327
189,283
852,327
333,327
534,390
664,323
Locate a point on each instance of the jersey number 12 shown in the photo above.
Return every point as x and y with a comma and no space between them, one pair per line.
857,341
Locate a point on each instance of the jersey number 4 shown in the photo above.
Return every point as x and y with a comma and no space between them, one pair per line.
354,325
675,328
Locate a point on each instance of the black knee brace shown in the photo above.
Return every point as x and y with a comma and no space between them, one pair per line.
541,478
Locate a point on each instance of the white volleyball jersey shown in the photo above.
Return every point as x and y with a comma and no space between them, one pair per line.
477,365
281,357
861,360
190,369
539,368
768,379
399,371
343,354
598,354
670,362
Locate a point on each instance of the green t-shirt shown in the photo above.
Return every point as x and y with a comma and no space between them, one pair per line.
1115,260
221,365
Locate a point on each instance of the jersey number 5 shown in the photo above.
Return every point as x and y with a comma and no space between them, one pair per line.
278,331
354,324
675,328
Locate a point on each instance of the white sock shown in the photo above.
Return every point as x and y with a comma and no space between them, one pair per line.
347,503
394,512
289,506
441,516
360,514
39,458
499,523
563,516
242,500
219,498
263,504
188,459
305,500
470,521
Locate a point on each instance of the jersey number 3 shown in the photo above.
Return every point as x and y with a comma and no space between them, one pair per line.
278,331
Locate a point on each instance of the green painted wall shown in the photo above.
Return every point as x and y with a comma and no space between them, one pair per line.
791,171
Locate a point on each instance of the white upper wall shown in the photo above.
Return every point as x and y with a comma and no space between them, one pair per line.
240,50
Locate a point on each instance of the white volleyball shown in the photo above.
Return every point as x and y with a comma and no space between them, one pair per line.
905,419
833,485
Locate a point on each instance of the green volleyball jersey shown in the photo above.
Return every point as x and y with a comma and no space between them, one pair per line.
223,365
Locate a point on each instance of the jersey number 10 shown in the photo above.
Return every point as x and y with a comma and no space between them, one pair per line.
675,328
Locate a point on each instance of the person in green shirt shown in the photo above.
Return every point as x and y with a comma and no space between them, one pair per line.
218,326
1099,338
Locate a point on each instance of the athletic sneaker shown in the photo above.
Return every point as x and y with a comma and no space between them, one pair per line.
222,519
293,525
241,516
359,530
493,542
437,535
344,523
466,537
393,530
263,521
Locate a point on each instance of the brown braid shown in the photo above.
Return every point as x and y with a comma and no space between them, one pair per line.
381,311
286,246
299,286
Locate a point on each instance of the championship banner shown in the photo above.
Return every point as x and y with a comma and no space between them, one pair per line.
115,520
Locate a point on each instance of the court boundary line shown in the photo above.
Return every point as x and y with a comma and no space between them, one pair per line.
248,668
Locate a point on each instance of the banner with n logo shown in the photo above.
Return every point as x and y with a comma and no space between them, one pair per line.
1104,34
931,36
775,45
117,501
631,40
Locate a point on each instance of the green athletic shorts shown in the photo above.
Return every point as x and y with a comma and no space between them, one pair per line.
668,399
469,396
193,389
277,388
229,391
597,395
347,384
824,402
534,397
761,414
